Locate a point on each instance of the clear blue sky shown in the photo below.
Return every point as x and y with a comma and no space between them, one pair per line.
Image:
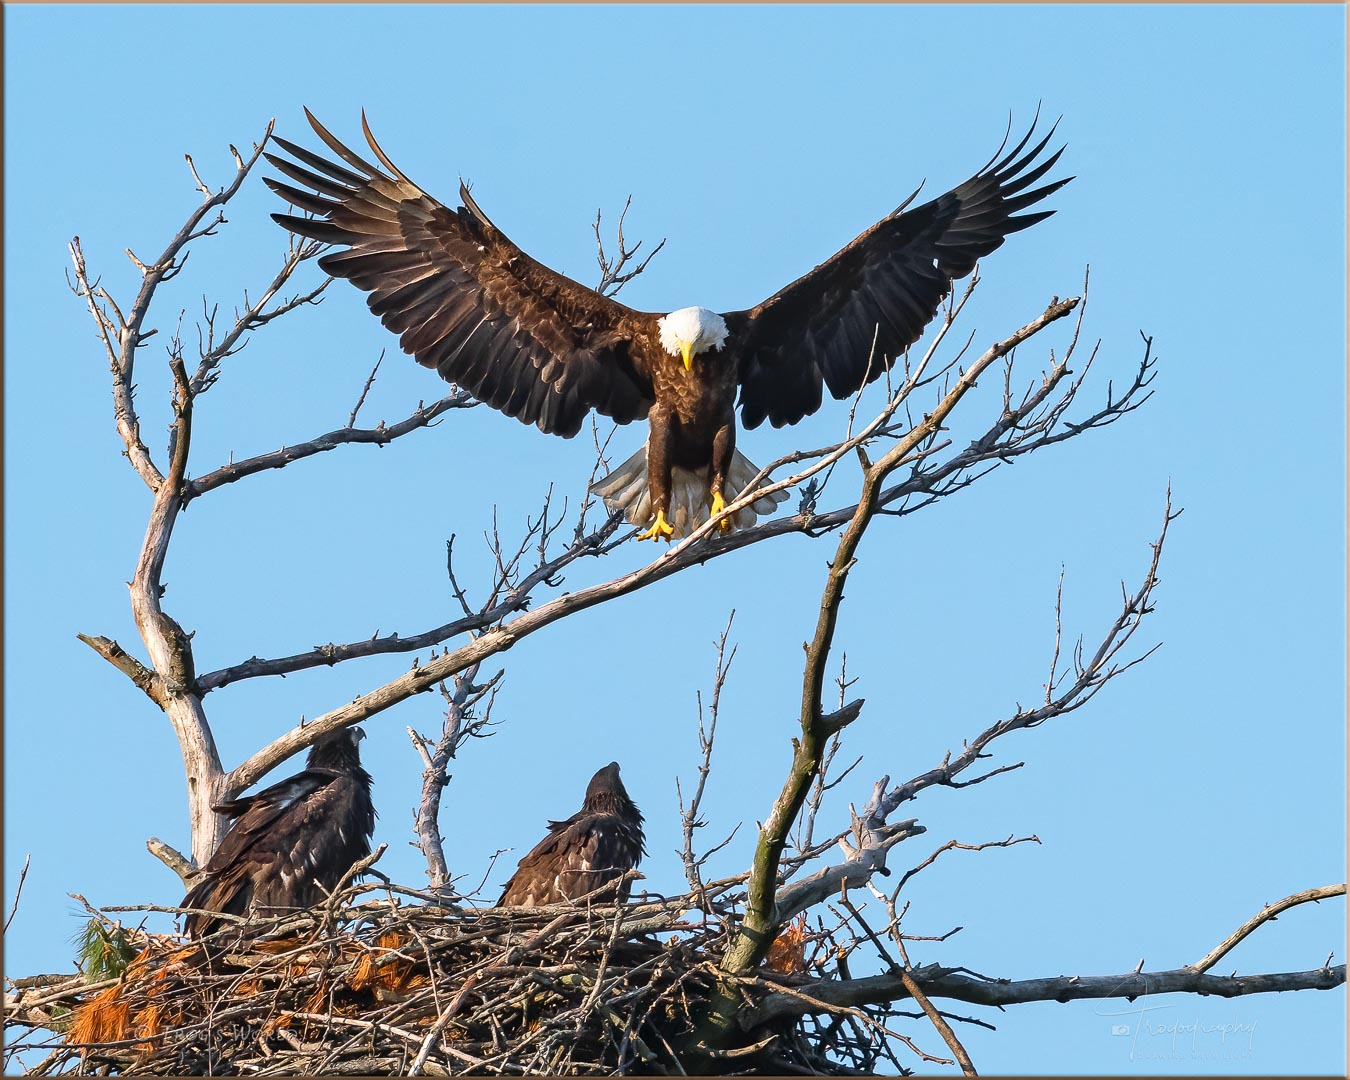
1208,147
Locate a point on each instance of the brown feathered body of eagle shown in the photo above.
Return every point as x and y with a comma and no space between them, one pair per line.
547,350
591,848
290,844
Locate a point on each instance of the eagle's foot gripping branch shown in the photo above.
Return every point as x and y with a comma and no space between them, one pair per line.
660,529
718,505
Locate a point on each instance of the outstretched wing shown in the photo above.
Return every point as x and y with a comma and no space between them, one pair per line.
462,297
889,283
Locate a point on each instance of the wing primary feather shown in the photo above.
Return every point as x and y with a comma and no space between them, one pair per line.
1025,221
1011,206
1007,132
345,153
909,200
474,208
1030,155
314,161
315,204
1016,184
1012,154
384,158
315,229
319,183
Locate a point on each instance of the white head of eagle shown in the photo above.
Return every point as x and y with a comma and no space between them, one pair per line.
690,331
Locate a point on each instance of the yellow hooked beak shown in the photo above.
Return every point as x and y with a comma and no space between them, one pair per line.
686,350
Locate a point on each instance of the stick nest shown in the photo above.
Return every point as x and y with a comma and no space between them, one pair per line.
383,986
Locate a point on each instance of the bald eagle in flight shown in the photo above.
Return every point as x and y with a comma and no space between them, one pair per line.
289,844
548,350
590,849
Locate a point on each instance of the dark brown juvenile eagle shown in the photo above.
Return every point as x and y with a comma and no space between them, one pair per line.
547,350
290,843
591,848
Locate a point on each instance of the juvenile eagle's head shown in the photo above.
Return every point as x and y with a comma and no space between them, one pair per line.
605,794
337,750
690,331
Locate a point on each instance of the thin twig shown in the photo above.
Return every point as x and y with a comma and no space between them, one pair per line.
18,891
689,816
370,381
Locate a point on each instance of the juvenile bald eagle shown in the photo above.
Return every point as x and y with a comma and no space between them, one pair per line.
547,350
290,843
591,848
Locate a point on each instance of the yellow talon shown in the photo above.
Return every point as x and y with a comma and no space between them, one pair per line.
661,529
718,505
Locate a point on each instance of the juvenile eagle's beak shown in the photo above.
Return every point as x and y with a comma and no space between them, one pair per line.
686,350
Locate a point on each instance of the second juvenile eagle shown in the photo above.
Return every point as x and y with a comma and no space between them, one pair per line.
547,350
291,843
590,849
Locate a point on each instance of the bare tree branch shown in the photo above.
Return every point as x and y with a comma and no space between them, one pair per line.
254,316
957,845
958,983
1089,678
169,648
865,853
903,973
941,982
120,345
806,822
381,434
122,336
370,381
1266,914
612,279
509,594
18,891
460,725
689,816
172,858
943,1028
149,681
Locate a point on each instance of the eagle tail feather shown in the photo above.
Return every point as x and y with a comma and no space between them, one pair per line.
625,488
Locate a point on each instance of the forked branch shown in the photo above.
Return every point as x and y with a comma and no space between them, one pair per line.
612,277
122,334
462,723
